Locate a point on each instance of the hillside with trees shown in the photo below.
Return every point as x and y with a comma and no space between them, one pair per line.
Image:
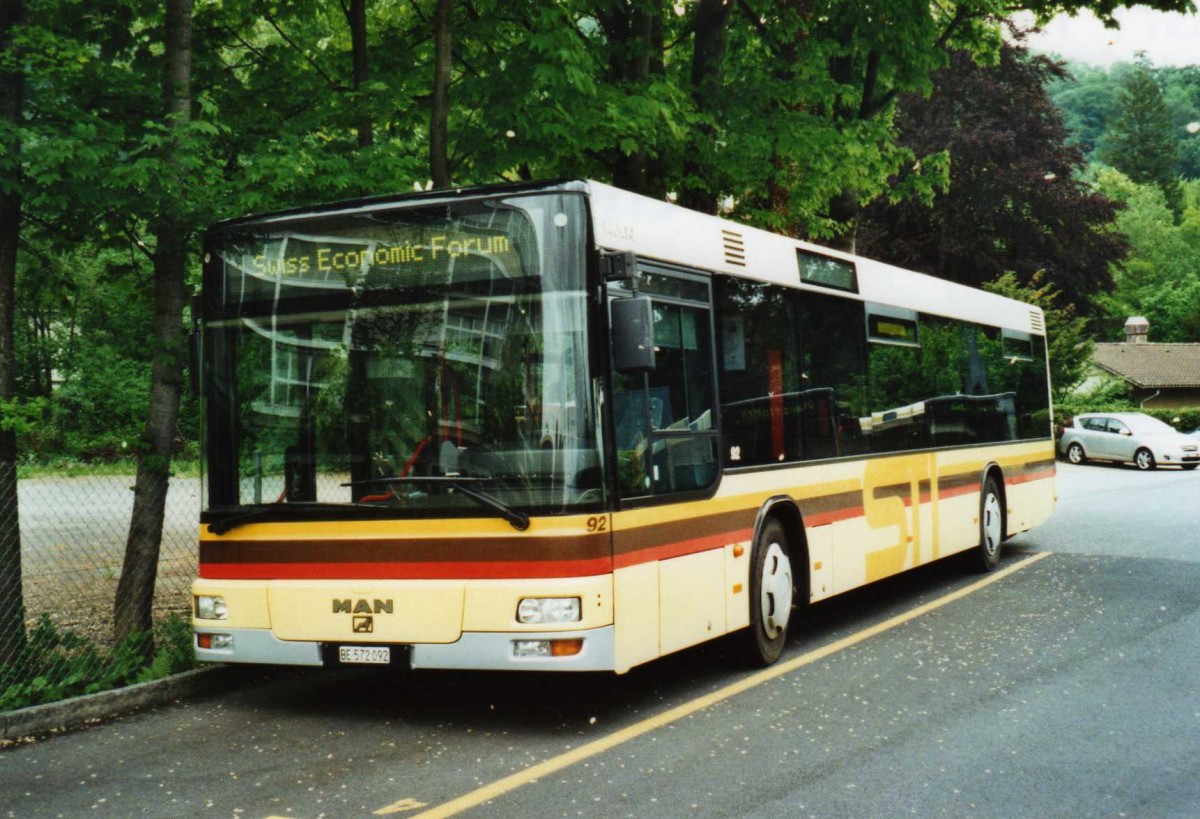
1139,129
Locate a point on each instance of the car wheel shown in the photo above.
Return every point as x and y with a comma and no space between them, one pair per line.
1189,467
991,526
1143,459
771,594
1075,454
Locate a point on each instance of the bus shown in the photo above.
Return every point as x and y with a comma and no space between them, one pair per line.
560,426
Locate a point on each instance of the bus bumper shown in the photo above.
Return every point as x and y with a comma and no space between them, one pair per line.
476,651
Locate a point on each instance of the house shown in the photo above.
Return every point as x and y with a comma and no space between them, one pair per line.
1164,376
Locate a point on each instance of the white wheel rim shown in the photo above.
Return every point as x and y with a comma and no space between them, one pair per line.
1075,453
775,596
1143,459
992,522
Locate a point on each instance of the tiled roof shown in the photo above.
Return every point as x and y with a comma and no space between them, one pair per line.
1151,365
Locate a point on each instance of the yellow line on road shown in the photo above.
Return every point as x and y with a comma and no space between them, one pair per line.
543,769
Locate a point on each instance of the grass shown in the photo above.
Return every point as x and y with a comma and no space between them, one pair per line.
69,468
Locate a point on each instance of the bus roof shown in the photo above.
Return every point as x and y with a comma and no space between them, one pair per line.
665,232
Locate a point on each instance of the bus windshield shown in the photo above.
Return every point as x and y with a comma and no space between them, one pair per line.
401,361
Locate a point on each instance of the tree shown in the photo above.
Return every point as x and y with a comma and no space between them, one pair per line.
1181,93
1141,142
356,18
1161,277
709,50
1015,201
439,156
1088,98
135,592
12,92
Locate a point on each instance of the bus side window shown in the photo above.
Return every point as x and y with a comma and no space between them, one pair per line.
833,341
763,397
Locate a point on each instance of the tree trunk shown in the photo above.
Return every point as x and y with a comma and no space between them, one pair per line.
133,608
12,89
708,61
439,131
356,15
635,33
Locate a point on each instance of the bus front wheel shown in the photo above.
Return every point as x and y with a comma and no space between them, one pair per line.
771,594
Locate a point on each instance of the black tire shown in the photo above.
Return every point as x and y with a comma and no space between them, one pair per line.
991,526
772,591
1075,453
1143,459
1189,467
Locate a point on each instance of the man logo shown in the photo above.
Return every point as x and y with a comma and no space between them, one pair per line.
364,625
363,606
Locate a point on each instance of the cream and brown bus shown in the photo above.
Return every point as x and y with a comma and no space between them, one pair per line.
561,426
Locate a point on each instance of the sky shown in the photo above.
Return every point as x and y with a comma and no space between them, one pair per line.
1167,39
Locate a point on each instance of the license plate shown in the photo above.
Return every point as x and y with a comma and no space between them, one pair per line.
369,655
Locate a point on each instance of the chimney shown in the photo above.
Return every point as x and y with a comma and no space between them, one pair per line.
1137,328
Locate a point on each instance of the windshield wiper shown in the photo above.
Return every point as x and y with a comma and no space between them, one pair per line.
518,520
262,512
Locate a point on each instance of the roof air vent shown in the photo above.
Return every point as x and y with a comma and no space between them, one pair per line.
735,248
1036,323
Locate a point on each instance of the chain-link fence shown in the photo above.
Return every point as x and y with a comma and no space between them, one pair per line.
73,529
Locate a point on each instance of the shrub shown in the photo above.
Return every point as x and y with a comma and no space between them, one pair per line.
59,664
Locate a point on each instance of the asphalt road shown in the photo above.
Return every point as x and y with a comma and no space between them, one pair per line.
1068,687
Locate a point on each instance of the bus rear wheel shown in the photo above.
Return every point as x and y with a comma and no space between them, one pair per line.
991,526
771,594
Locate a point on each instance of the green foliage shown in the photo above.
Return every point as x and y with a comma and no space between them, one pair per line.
795,123
1014,200
1161,278
1110,395
1184,420
539,90
1089,98
98,411
58,664
1139,141
20,416
1181,92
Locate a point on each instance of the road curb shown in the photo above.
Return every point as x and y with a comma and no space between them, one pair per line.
78,711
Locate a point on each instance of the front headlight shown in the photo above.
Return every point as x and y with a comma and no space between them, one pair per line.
211,608
548,610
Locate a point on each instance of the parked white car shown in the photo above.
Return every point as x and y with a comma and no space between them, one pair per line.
1128,437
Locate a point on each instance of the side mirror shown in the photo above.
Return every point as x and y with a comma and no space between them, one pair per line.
619,265
1126,432
633,335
